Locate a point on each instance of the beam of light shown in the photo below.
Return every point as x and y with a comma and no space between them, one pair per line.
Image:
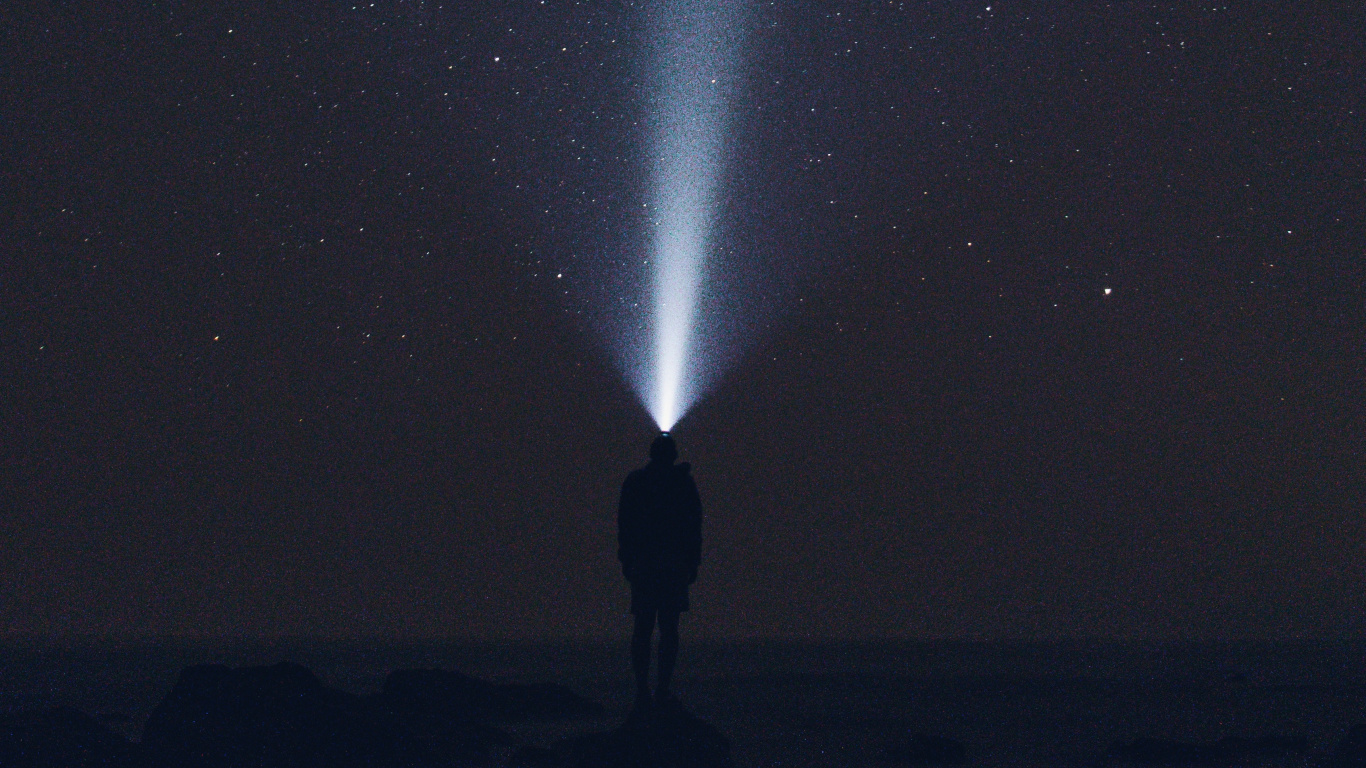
697,69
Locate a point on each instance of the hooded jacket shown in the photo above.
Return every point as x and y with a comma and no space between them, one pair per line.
659,523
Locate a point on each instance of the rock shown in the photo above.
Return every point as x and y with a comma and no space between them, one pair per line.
926,749
449,694
667,737
1145,750
468,698
433,743
429,738
58,737
544,701
282,715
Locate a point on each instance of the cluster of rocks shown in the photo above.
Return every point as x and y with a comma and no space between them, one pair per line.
667,737
283,716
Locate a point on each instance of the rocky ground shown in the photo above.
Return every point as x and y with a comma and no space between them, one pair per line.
284,716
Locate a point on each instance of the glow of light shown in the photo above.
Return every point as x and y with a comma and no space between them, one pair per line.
695,60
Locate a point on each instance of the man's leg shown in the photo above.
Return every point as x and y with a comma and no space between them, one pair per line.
668,651
640,653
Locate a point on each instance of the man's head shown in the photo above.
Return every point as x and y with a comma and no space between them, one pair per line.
663,450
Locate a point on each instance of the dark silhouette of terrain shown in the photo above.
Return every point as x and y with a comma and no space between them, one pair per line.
57,738
461,697
668,736
283,716
277,715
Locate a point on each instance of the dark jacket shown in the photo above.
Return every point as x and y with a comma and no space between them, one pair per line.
659,523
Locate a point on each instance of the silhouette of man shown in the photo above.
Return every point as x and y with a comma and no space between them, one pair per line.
659,532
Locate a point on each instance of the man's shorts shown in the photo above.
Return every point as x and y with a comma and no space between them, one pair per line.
664,595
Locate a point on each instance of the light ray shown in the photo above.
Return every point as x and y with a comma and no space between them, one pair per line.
696,66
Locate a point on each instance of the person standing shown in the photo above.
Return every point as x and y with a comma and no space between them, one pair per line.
659,536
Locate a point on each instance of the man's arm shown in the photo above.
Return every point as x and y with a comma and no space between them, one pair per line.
693,542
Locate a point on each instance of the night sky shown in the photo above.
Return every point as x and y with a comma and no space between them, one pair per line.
1044,320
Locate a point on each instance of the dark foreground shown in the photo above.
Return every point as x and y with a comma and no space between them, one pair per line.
283,715
833,705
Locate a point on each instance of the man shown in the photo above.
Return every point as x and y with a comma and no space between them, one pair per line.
659,532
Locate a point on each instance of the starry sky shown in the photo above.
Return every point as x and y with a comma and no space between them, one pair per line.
1042,320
